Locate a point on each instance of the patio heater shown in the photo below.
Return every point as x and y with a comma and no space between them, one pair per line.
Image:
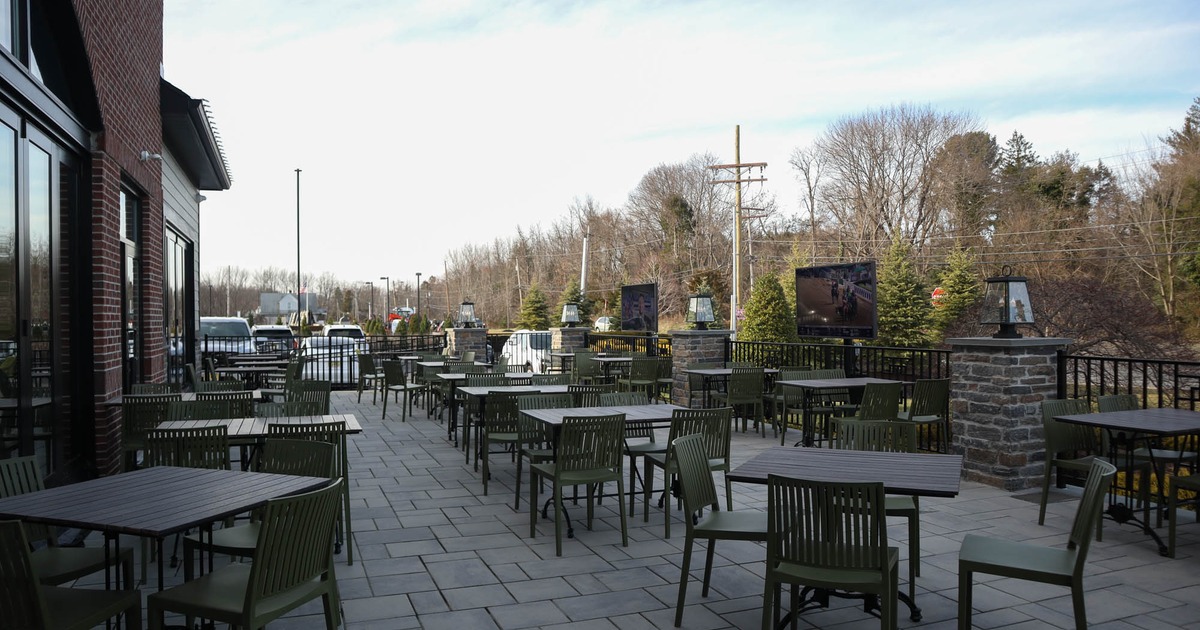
466,315
570,314
700,311
1006,302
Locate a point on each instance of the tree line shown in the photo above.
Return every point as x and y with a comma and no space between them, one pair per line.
1110,250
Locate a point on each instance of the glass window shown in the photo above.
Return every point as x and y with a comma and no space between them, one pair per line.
9,314
6,24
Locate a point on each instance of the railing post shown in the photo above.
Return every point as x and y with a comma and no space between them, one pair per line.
1060,357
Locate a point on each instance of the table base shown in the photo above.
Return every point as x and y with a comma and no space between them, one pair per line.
1121,513
812,598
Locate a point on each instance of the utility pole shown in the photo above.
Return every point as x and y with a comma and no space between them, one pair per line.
418,294
299,310
735,299
583,266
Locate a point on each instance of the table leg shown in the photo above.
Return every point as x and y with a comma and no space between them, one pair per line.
1122,512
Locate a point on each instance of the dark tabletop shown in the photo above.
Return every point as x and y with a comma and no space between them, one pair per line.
256,428
154,502
834,383
920,474
722,371
481,391
652,412
1156,421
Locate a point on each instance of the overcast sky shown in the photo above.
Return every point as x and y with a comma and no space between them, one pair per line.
420,126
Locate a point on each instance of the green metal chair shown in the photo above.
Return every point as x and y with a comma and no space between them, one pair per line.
636,430
828,535
880,401
535,437
293,563
1073,447
746,387
558,378
699,492
643,376
29,603
310,390
369,376
585,371
499,427
786,402
588,395
1175,453
53,564
201,447
889,436
331,433
396,385
716,427
154,388
929,409
140,414
241,403
287,409
221,386
1178,484
1047,565
198,410
696,381
664,380
308,458
588,453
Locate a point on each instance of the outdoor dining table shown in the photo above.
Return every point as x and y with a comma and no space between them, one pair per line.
708,375
250,432
812,387
252,374
454,379
1125,429
153,502
480,394
915,474
608,363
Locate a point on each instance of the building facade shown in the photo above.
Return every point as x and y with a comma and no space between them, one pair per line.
83,232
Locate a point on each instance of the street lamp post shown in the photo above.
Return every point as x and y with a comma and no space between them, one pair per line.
371,302
387,302
299,324
418,294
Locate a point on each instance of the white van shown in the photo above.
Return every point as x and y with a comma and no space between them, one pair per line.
528,348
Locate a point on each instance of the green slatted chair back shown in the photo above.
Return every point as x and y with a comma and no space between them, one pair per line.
746,385
587,395
241,404
1090,510
20,594
695,477
221,386
154,388
393,374
201,447
713,424
931,397
880,401
501,413
1118,402
561,378
310,390
621,399
875,435
1062,437
198,410
287,409
590,443
140,414
19,475
531,431
486,380
307,458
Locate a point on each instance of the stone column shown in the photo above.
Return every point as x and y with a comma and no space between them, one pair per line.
568,339
693,346
996,390
461,340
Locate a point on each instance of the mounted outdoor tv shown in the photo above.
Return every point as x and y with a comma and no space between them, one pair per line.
837,301
639,307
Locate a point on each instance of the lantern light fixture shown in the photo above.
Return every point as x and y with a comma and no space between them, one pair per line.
570,314
1006,303
700,311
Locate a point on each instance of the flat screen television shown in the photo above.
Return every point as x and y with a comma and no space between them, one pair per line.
837,301
639,307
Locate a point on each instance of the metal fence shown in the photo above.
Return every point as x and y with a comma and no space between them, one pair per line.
906,364
1156,382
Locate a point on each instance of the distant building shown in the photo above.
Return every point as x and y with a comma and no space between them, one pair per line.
284,305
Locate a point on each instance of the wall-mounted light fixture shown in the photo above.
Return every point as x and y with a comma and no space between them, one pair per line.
146,156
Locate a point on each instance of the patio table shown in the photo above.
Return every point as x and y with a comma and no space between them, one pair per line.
810,388
916,474
455,379
608,363
153,502
252,374
707,375
480,393
252,431
1126,428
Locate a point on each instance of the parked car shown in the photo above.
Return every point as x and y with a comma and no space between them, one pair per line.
349,331
273,338
225,335
333,359
606,324
529,348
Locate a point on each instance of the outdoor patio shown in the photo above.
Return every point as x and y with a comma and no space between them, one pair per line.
433,552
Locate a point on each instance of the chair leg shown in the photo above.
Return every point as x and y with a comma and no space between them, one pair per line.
1172,517
487,447
647,489
770,604
558,514
1045,494
708,562
964,598
621,504
683,578
1078,604
517,492
533,492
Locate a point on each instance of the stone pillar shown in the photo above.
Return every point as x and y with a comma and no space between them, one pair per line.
568,339
693,346
996,390
461,340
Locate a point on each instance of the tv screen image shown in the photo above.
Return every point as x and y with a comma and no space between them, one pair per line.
836,301
639,307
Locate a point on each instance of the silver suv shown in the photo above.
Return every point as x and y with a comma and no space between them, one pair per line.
225,335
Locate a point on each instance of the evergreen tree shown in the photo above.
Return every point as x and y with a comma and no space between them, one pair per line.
768,317
960,290
535,312
573,294
901,299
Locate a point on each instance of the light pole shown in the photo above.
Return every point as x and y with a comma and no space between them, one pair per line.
371,302
299,324
387,301
418,294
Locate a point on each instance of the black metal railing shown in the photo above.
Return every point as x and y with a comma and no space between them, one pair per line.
1158,383
652,345
906,364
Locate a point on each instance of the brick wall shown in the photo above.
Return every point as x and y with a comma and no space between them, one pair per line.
123,40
